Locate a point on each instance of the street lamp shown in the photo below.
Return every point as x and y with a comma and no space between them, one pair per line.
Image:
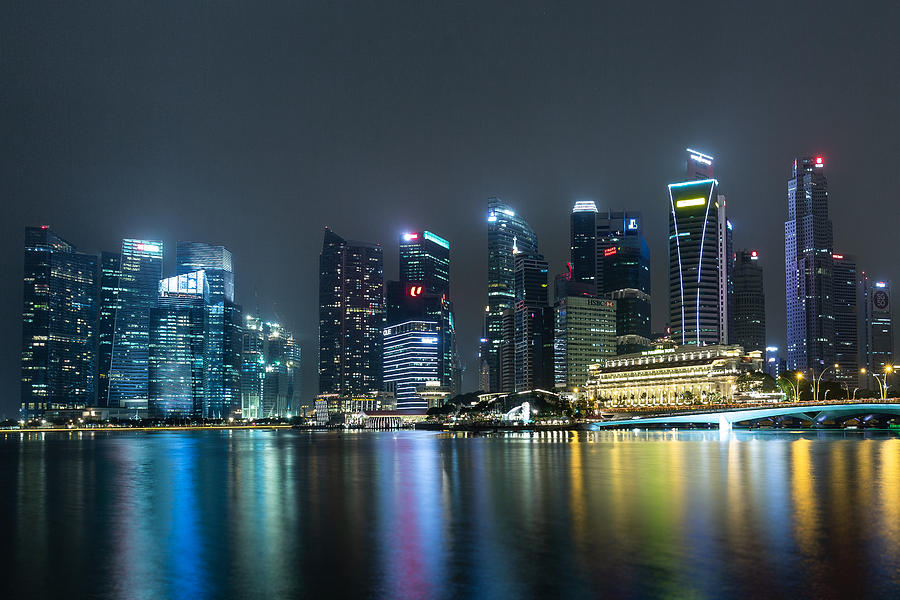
796,387
819,379
882,382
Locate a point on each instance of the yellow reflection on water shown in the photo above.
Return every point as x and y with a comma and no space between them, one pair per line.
804,495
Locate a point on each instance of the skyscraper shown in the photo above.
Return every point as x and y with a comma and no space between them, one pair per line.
110,270
138,292
698,261
809,283
420,301
411,358
177,368
223,359
351,311
623,274
878,335
425,261
749,302
846,318
585,333
59,317
583,243
533,324
508,234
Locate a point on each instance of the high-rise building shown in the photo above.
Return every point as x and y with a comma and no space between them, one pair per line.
585,333
425,261
270,377
215,260
351,313
623,274
59,320
698,258
508,234
749,302
583,243
878,334
411,359
110,270
809,283
533,324
223,316
141,271
846,319
177,363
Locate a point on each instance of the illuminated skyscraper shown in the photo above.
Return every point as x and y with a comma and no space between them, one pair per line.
223,362
749,302
623,274
508,234
878,334
809,283
425,261
110,270
846,318
583,243
533,324
138,292
59,319
178,355
698,258
585,334
411,358
351,313
422,296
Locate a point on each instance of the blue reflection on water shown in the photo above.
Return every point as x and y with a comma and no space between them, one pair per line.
417,514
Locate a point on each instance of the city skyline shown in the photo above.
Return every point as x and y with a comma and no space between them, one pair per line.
279,176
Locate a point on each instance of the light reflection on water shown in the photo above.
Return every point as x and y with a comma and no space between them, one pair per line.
420,514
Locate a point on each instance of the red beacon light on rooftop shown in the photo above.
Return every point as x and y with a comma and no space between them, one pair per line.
820,162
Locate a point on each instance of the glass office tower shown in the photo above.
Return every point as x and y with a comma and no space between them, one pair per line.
411,358
59,318
809,278
508,234
178,337
425,260
223,317
138,292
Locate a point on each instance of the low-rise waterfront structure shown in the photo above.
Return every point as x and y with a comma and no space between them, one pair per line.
681,375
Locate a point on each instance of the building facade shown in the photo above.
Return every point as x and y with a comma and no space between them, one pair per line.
809,280
351,314
411,359
584,334
109,303
749,302
59,324
533,324
671,376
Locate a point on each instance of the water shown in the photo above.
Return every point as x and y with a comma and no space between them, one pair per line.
421,514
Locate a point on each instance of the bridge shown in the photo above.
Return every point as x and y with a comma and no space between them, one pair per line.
813,413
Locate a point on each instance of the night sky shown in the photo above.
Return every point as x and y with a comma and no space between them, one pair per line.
254,127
